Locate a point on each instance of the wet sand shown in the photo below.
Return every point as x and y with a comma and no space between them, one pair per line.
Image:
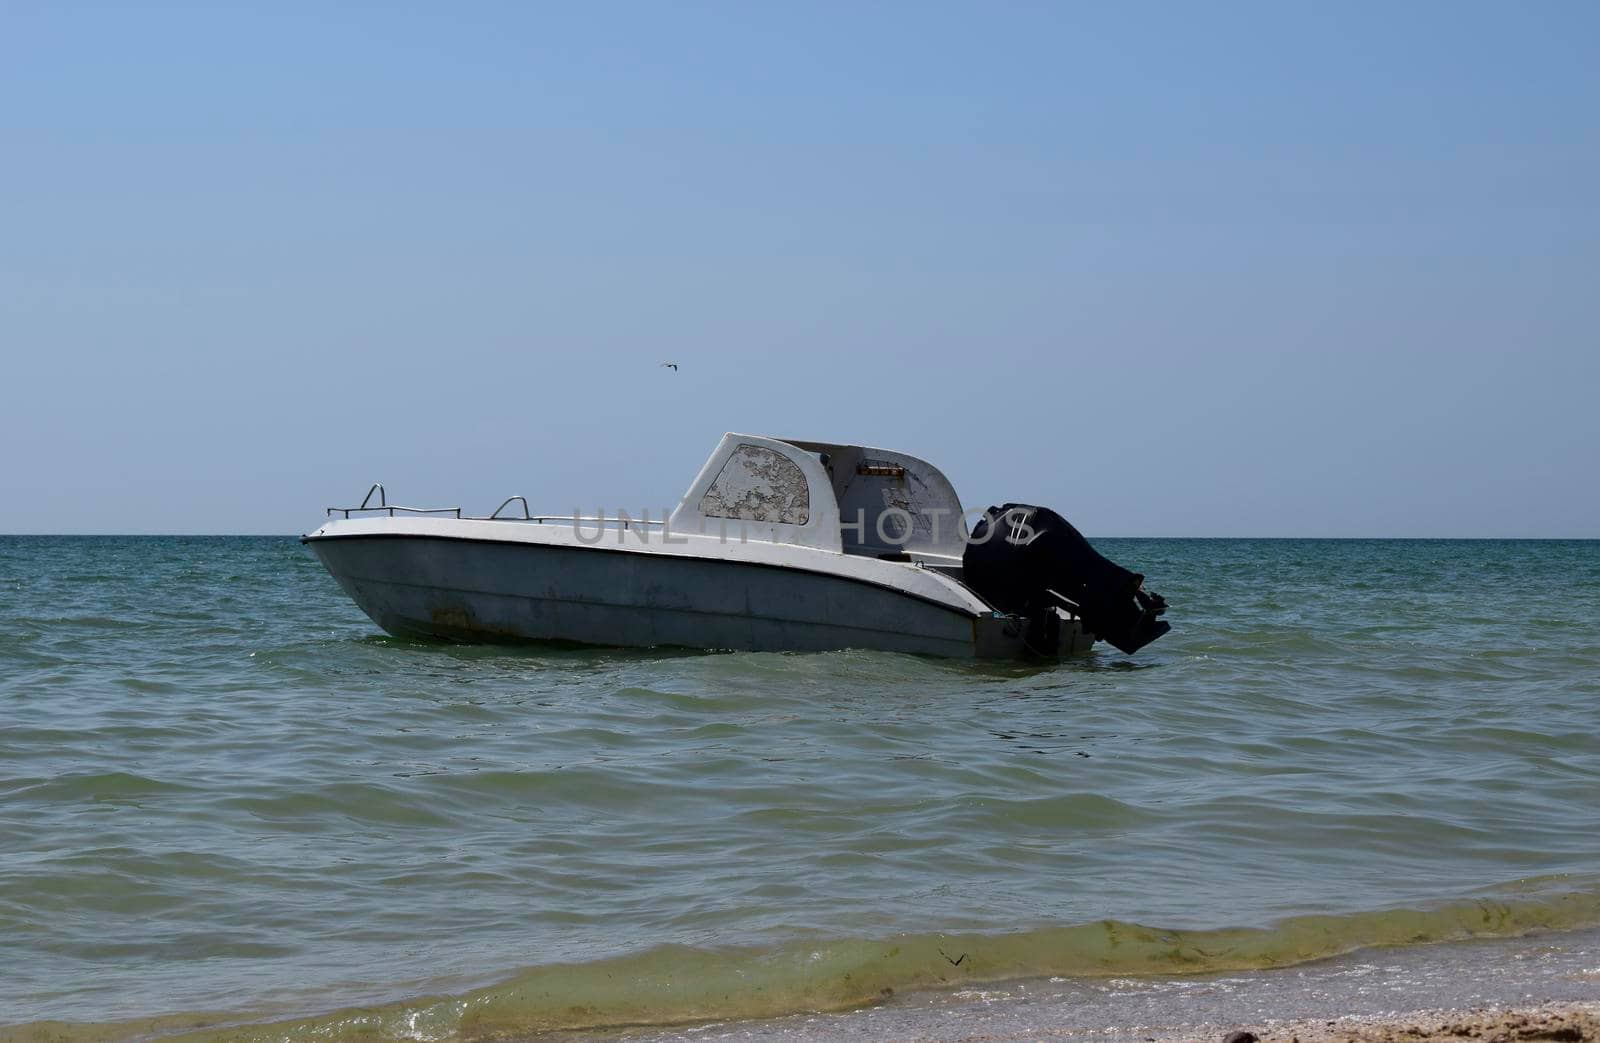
1568,1021
1539,987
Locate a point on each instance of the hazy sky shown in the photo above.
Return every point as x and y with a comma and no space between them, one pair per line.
1186,269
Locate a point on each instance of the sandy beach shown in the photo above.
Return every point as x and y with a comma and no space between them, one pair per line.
1560,1021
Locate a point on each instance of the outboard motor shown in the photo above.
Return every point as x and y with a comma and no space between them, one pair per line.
1029,561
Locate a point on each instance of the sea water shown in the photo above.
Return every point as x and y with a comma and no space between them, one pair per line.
230,804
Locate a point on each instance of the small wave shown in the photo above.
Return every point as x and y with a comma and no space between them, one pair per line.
96,786
678,984
336,806
1076,811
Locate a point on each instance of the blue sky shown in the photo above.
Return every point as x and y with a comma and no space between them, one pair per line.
1173,269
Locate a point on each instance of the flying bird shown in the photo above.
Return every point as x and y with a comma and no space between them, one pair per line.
671,365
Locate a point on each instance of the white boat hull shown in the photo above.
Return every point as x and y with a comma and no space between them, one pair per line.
481,590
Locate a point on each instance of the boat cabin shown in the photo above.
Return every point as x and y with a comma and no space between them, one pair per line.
847,498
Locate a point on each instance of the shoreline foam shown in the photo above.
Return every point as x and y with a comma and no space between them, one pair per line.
1373,994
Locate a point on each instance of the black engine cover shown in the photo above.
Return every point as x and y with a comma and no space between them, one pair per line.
1018,554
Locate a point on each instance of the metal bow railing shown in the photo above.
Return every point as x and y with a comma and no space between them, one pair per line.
383,506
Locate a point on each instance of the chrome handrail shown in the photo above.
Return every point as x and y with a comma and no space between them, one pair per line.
577,518
391,508
510,500
383,504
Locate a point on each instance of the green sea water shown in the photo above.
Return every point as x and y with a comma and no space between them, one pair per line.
231,807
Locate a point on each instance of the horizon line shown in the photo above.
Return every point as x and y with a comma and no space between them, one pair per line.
1101,536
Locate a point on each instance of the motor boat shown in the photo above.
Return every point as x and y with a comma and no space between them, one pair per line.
778,545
